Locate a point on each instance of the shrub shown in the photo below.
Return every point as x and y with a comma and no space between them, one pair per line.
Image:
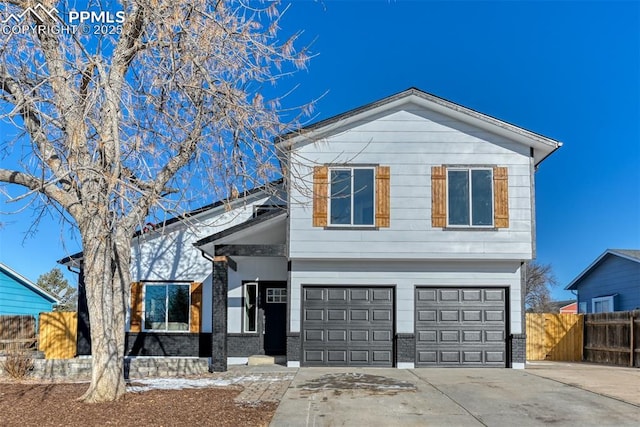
17,364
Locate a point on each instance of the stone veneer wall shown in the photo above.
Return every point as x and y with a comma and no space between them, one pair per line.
135,367
518,348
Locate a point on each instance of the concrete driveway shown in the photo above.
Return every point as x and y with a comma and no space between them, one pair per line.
444,397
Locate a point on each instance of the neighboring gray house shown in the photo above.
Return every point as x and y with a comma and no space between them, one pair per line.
610,283
400,240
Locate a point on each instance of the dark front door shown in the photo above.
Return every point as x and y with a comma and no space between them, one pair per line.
273,301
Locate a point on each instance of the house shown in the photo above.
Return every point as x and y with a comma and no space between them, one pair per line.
399,240
20,296
610,283
571,308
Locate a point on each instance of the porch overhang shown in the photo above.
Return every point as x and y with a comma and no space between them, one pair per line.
243,240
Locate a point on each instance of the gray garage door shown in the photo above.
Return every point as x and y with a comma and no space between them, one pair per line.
460,327
347,326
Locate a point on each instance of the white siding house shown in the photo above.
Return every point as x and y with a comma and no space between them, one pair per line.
402,242
412,136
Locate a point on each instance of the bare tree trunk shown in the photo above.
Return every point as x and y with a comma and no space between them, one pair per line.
107,279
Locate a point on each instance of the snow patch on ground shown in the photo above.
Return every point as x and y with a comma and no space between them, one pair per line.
143,385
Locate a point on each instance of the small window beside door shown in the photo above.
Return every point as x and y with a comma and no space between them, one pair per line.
250,307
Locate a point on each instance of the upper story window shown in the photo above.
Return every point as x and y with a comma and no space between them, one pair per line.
470,197
352,196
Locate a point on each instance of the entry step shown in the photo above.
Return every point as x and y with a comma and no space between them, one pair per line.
261,359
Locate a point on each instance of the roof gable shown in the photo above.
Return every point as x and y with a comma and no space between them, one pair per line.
269,189
541,145
28,283
629,254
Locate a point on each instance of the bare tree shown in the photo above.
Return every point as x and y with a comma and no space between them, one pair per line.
118,122
540,279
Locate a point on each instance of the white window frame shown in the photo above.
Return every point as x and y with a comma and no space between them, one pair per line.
276,296
245,314
493,208
351,169
582,307
608,298
166,321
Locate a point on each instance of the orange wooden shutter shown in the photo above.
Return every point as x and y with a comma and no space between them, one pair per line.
135,323
320,195
500,197
383,196
196,307
438,196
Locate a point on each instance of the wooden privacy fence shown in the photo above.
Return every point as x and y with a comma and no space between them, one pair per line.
613,338
58,332
555,337
17,332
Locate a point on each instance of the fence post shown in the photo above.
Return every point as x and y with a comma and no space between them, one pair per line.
632,351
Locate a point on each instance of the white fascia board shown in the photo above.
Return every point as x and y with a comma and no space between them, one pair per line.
542,145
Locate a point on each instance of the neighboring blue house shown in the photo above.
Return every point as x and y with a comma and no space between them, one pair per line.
19,295
610,283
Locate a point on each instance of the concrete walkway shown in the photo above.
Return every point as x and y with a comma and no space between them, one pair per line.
447,397
612,381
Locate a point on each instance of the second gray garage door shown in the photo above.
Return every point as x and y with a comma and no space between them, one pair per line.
461,327
347,326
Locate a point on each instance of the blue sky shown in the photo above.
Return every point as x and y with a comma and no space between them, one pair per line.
566,69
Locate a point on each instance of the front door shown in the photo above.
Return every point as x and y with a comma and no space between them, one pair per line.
273,302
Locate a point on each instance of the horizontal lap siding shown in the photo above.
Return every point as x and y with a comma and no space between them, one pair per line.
417,141
15,298
405,276
170,255
614,275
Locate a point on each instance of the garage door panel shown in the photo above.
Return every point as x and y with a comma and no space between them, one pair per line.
448,295
340,315
356,325
460,326
449,336
494,315
311,294
472,315
471,295
382,336
381,315
359,294
427,336
359,315
427,315
337,295
449,316
494,295
472,337
359,336
339,356
314,335
313,314
334,336
426,295
382,295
